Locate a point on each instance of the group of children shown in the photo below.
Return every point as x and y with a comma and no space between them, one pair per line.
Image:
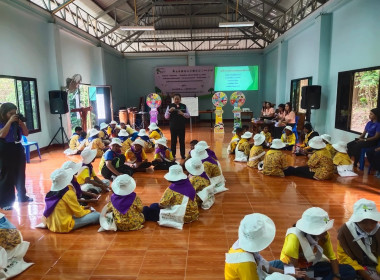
325,158
307,252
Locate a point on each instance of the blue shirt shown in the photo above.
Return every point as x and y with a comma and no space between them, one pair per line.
372,128
10,137
109,155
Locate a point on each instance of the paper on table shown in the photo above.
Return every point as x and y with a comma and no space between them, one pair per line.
289,269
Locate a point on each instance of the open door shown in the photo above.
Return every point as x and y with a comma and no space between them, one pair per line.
101,102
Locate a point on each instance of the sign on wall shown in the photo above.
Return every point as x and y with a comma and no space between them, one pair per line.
185,80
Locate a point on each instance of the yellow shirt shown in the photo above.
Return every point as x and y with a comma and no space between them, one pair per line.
170,198
130,130
289,140
199,183
98,145
240,271
268,136
233,143
255,151
244,146
292,249
73,144
168,155
306,142
130,156
85,173
126,145
342,159
61,220
331,150
321,163
212,170
274,163
132,220
155,135
101,134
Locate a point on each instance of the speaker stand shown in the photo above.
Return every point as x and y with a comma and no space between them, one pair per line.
63,134
308,114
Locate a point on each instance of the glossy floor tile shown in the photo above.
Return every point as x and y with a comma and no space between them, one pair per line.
196,252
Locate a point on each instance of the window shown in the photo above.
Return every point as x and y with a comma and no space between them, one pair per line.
23,93
295,93
357,94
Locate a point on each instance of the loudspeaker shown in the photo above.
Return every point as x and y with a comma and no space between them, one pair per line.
311,97
58,102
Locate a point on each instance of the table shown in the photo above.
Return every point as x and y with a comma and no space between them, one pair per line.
211,112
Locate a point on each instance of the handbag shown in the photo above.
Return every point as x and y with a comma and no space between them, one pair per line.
207,197
174,215
106,220
219,184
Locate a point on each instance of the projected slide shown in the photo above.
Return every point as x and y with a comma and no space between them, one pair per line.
234,78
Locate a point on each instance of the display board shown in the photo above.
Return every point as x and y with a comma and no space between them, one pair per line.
185,80
234,78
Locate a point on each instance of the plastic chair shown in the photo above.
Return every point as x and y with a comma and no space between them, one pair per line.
362,160
27,145
294,130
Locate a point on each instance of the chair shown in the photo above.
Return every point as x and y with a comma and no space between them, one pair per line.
27,145
294,130
362,160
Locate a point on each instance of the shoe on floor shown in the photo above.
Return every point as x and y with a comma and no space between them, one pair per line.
25,199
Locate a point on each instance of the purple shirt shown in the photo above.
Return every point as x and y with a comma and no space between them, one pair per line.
372,128
10,137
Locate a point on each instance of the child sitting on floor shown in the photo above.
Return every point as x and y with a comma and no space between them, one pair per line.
62,211
327,140
243,147
163,157
82,196
155,132
95,143
112,129
179,191
268,136
204,145
87,178
234,141
73,144
125,140
149,145
288,138
136,157
112,162
133,134
342,161
125,205
275,161
257,152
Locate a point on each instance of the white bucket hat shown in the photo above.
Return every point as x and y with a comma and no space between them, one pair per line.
317,143
142,132
314,221
256,232
61,178
288,127
194,166
259,139
139,142
162,141
123,185
175,173
103,125
93,132
113,122
75,166
88,155
116,141
123,132
199,153
326,137
1,215
340,147
247,135
277,144
365,209
202,145
279,276
153,126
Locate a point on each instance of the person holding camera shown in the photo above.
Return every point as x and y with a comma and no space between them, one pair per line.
12,159
177,114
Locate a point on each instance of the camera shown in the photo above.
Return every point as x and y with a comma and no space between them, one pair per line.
21,117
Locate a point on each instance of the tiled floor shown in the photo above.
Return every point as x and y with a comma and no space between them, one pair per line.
196,252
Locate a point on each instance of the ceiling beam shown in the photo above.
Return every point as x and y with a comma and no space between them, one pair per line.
194,39
60,7
175,3
275,6
112,7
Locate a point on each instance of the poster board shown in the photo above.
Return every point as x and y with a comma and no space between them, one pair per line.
192,105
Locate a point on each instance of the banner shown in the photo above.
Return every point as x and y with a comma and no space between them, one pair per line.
185,80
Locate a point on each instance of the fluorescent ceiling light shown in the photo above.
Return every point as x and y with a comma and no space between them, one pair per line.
154,47
227,45
137,28
236,24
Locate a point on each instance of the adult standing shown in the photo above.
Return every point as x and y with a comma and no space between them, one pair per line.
12,159
177,114
372,130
